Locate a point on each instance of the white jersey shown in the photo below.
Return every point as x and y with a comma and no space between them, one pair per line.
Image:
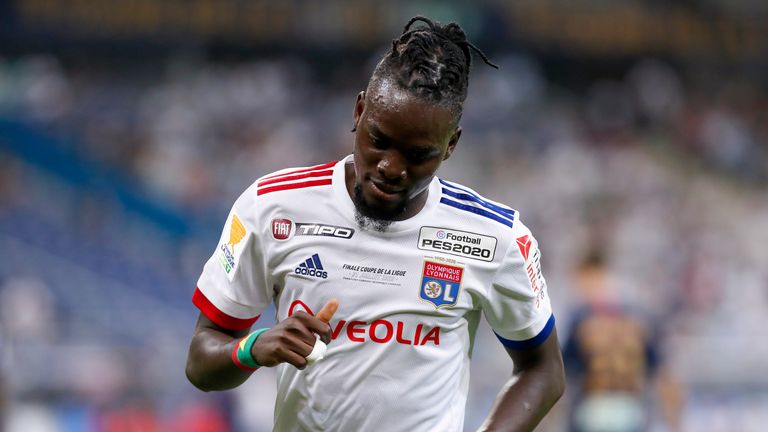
409,298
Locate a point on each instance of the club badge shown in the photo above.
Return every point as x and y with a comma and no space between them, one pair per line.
440,283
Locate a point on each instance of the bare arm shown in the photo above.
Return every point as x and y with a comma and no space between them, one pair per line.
538,381
209,361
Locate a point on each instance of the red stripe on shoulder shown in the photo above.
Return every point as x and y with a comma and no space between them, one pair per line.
301,170
220,318
300,185
323,173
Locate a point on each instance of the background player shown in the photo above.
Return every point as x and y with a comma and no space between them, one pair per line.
406,124
616,375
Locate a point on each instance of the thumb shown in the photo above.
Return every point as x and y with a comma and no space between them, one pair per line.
326,313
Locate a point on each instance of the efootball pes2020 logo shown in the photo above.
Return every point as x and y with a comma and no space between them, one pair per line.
312,267
440,283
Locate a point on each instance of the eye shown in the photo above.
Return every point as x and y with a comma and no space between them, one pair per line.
377,142
419,156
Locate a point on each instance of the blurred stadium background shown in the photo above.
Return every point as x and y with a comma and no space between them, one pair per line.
632,134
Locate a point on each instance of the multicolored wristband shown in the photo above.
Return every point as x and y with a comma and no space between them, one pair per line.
242,356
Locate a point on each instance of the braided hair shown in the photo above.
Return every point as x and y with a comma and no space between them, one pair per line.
431,62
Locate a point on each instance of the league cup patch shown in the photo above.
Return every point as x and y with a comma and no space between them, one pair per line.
231,248
440,283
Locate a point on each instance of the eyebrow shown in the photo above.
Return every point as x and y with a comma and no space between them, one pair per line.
373,129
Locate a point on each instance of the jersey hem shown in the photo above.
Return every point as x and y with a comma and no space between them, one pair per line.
217,316
532,342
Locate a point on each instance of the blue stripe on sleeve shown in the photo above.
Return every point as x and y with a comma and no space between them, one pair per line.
532,342
467,197
477,211
468,194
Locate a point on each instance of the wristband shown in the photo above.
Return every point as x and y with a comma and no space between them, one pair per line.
242,356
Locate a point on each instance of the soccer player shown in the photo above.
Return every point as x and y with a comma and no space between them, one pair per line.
387,264
615,368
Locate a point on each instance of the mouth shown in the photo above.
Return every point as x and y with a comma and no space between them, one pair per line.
384,191
378,201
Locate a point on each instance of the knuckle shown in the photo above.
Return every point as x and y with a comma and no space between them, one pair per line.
284,354
296,325
301,363
279,352
300,315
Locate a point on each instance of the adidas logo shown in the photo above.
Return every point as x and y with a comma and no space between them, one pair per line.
312,267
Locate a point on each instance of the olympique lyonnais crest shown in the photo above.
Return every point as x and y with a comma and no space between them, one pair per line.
440,283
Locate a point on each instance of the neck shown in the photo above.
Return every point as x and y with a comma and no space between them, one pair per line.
416,200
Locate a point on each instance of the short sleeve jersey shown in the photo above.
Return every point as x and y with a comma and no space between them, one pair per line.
410,298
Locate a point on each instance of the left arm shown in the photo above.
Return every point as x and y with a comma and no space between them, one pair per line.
538,381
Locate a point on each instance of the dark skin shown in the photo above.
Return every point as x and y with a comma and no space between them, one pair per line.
400,142
209,362
538,381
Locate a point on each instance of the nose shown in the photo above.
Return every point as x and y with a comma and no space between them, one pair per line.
392,168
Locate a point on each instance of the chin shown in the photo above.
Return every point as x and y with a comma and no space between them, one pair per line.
374,208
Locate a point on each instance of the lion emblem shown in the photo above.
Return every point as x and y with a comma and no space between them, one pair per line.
433,289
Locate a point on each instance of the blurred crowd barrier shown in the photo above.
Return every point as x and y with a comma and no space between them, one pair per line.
730,30
646,191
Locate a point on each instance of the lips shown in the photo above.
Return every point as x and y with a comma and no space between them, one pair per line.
385,191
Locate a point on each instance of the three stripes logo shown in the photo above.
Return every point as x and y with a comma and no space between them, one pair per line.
312,267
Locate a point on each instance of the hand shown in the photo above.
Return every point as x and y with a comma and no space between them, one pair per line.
292,339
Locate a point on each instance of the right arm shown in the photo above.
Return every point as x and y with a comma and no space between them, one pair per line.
209,361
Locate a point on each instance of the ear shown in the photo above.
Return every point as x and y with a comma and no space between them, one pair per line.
452,142
359,107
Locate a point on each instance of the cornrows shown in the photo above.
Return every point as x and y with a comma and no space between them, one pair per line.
431,61
451,31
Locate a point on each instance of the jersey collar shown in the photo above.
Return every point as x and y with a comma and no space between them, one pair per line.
347,207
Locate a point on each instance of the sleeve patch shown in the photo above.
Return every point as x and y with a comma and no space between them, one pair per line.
232,245
532,258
